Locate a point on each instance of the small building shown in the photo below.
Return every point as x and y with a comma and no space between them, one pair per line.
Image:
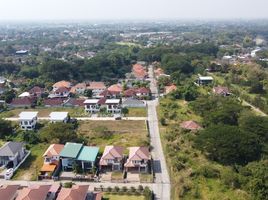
69,154
28,120
112,158
36,91
204,80
59,117
77,192
92,105
138,159
87,157
34,192
133,103
190,125
11,154
113,105
219,90
55,102
9,192
25,102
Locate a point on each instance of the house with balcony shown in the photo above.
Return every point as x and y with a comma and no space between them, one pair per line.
62,92
97,88
113,105
28,120
92,105
138,159
112,158
11,154
59,117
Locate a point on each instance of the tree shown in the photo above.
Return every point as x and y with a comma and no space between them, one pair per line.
228,145
60,132
5,128
88,93
124,111
8,96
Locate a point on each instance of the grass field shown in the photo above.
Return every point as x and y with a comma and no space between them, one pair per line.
122,197
137,112
121,133
30,168
44,112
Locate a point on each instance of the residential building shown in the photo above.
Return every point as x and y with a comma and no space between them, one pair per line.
34,192
87,157
79,88
219,90
11,154
25,102
139,72
55,102
77,192
28,120
204,80
97,88
112,158
92,105
113,105
60,84
116,88
69,154
190,125
73,102
61,92
138,159
59,117
9,192
36,91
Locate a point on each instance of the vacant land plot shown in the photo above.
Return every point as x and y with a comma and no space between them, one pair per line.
30,168
44,112
137,112
122,133
122,197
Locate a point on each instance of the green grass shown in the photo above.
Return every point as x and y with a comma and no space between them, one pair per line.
120,133
146,178
122,197
30,168
117,176
137,112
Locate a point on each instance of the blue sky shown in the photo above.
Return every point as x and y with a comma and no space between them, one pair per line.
134,9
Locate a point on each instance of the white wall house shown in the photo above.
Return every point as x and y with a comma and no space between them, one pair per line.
28,120
92,105
113,105
59,117
204,80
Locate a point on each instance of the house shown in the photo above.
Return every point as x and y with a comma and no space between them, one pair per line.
143,92
116,88
60,84
112,158
133,103
139,72
55,102
25,102
77,192
59,117
138,159
204,80
219,90
79,88
113,105
97,88
9,192
92,105
51,159
87,157
170,88
61,92
36,91
34,192
109,94
69,154
190,125
74,102
28,120
11,154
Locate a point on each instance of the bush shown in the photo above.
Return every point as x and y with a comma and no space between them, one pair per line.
208,172
68,184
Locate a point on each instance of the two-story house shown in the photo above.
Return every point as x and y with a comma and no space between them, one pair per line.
28,120
204,80
112,158
61,92
92,105
97,88
113,105
11,154
138,159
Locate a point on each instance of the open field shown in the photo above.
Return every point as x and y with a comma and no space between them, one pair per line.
122,197
137,112
30,168
121,133
44,112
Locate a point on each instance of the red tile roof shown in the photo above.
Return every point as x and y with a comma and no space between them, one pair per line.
34,192
54,102
59,84
62,90
77,192
53,150
36,90
96,85
29,101
115,88
111,152
137,153
8,192
139,71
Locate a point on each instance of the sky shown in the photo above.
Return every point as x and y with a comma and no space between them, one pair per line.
131,9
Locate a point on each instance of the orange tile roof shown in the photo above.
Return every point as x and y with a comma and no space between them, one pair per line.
77,192
170,88
59,84
115,88
34,192
96,85
139,71
48,168
53,150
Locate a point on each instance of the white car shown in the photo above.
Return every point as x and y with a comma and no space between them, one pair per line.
9,173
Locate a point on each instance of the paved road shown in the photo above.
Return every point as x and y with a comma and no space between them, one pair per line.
162,186
87,118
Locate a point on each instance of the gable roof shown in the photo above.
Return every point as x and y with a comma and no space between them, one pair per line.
8,192
71,150
53,150
115,88
34,192
77,192
96,85
190,125
11,148
111,152
137,153
88,153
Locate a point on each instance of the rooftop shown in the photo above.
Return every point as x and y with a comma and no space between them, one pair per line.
71,150
112,101
11,148
88,153
91,101
27,115
58,116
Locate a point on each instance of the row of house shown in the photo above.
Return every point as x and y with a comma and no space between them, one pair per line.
48,192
